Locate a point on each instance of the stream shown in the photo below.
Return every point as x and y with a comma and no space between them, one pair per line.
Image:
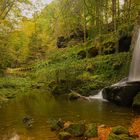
43,107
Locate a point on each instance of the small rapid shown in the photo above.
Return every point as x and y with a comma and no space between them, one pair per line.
98,96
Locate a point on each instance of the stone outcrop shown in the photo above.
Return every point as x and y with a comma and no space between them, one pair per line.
122,93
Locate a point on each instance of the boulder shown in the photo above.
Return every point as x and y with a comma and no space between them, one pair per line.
120,133
120,130
76,129
121,93
91,131
76,96
57,125
113,136
126,137
136,101
64,136
28,121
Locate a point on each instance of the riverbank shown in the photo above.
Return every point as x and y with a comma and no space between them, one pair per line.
93,131
85,76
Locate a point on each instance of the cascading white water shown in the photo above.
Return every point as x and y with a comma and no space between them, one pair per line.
134,74
98,96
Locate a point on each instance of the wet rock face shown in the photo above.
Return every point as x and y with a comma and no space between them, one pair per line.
125,43
122,94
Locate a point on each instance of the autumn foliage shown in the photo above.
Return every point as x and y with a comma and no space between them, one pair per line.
135,127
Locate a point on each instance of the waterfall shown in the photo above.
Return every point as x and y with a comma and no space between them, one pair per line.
98,96
134,74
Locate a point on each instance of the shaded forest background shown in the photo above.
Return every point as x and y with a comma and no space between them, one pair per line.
25,40
80,45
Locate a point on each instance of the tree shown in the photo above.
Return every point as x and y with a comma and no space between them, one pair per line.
18,47
7,5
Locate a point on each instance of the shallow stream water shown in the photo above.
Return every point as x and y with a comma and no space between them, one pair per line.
43,107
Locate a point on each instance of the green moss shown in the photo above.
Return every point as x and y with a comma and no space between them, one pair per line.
112,136
10,87
119,133
91,131
119,130
136,101
63,72
126,137
74,96
56,125
64,136
76,129
84,75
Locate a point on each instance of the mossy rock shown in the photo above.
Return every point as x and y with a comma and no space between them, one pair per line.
126,137
64,136
120,130
74,96
76,129
136,101
91,131
113,136
56,125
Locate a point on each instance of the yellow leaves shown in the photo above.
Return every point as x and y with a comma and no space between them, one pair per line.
27,26
135,128
104,132
18,46
5,25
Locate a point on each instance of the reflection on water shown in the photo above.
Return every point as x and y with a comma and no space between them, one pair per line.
43,107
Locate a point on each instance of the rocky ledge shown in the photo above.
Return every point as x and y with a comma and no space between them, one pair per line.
122,93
